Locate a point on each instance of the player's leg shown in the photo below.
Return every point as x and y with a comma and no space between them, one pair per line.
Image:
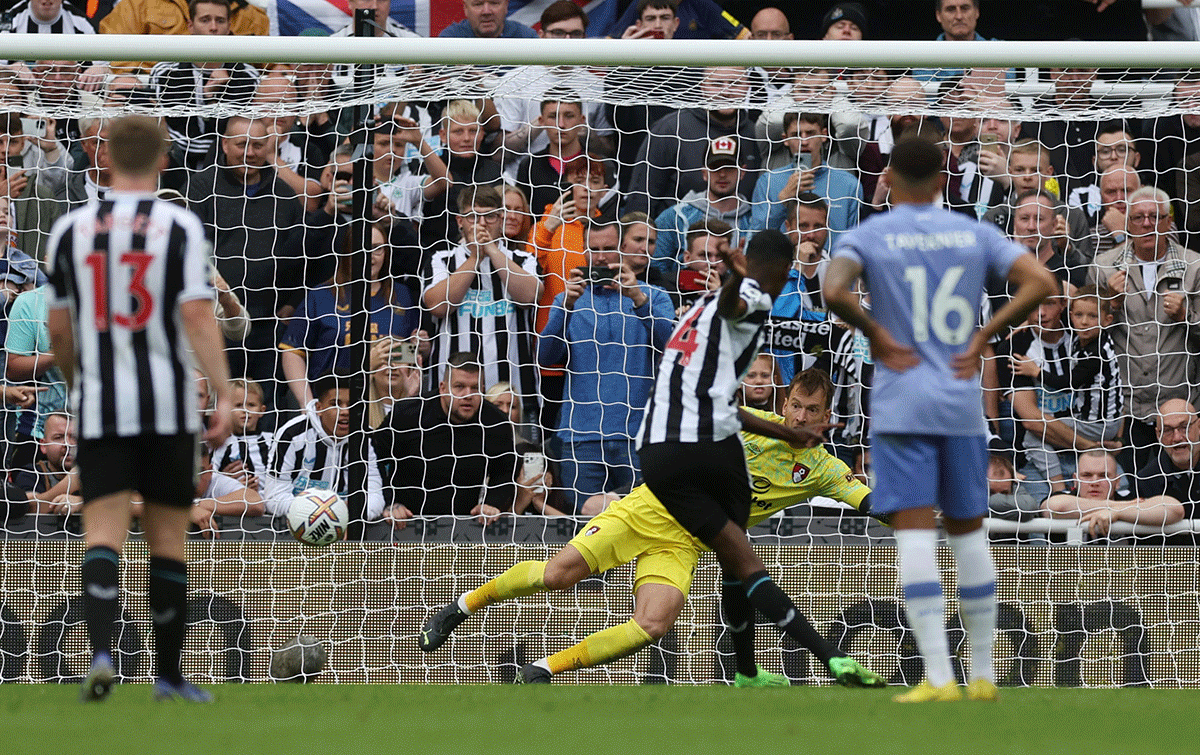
166,530
964,497
169,491
906,469
738,616
661,583
564,570
607,540
657,608
105,525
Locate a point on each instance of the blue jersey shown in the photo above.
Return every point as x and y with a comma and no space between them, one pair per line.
925,269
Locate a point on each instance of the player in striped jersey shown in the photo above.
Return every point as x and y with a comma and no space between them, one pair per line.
925,270
690,451
639,527
130,298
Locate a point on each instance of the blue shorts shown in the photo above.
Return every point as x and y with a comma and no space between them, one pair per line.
913,471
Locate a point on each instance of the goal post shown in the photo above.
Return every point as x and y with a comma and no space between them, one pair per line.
1076,610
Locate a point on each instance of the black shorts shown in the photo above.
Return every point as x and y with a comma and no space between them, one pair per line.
160,467
702,485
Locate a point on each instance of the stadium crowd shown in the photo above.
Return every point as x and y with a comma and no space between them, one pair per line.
531,252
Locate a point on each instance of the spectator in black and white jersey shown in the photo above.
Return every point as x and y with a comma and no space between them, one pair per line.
244,453
57,17
313,451
196,85
1041,358
1095,413
449,452
482,293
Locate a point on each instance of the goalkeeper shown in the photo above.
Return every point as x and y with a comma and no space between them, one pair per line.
639,527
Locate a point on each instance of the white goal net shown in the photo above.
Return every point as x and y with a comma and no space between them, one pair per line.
484,184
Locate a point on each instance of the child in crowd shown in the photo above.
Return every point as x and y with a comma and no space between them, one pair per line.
243,455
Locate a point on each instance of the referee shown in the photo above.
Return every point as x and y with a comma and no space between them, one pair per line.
130,299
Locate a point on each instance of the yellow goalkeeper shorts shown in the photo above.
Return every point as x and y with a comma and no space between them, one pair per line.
638,527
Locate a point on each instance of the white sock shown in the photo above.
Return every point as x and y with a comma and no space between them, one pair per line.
462,604
926,606
977,598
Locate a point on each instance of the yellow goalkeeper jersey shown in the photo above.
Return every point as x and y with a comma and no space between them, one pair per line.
782,476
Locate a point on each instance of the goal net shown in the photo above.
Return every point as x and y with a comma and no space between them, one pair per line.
280,161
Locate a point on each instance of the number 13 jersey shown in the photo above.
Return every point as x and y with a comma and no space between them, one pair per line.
694,398
925,270
123,266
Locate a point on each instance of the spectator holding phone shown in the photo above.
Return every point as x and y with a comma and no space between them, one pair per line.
806,136
536,485
609,328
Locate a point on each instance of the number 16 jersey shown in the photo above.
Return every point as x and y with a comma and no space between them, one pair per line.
694,395
926,269
123,266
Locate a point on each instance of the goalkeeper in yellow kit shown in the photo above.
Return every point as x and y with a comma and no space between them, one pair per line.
639,527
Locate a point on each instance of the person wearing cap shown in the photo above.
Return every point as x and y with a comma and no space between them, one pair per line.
846,21
806,136
719,200
1154,283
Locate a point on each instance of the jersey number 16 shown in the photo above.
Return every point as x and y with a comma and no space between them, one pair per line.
936,315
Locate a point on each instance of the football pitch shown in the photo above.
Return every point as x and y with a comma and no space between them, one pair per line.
573,720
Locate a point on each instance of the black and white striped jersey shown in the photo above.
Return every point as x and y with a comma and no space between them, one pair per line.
488,323
304,456
123,266
252,449
1096,378
694,394
67,21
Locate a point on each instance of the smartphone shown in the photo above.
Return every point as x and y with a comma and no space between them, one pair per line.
989,142
599,276
692,280
533,464
34,127
403,352
804,160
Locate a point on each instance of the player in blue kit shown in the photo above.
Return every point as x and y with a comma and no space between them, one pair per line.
925,270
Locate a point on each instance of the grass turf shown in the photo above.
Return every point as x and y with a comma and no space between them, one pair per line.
573,720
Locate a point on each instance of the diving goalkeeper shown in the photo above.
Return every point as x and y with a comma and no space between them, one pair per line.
639,527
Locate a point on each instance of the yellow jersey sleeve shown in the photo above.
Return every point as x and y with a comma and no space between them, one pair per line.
782,476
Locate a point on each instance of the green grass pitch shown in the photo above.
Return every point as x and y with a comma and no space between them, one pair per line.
571,720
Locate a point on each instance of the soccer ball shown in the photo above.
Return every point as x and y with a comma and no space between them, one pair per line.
318,517
300,660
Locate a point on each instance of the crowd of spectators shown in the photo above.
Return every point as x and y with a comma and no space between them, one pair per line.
537,247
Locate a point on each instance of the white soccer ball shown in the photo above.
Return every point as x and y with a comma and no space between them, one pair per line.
318,517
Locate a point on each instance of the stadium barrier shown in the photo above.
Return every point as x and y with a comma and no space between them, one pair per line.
1070,616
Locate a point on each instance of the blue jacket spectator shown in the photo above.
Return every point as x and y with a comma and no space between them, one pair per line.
488,19
805,136
610,336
